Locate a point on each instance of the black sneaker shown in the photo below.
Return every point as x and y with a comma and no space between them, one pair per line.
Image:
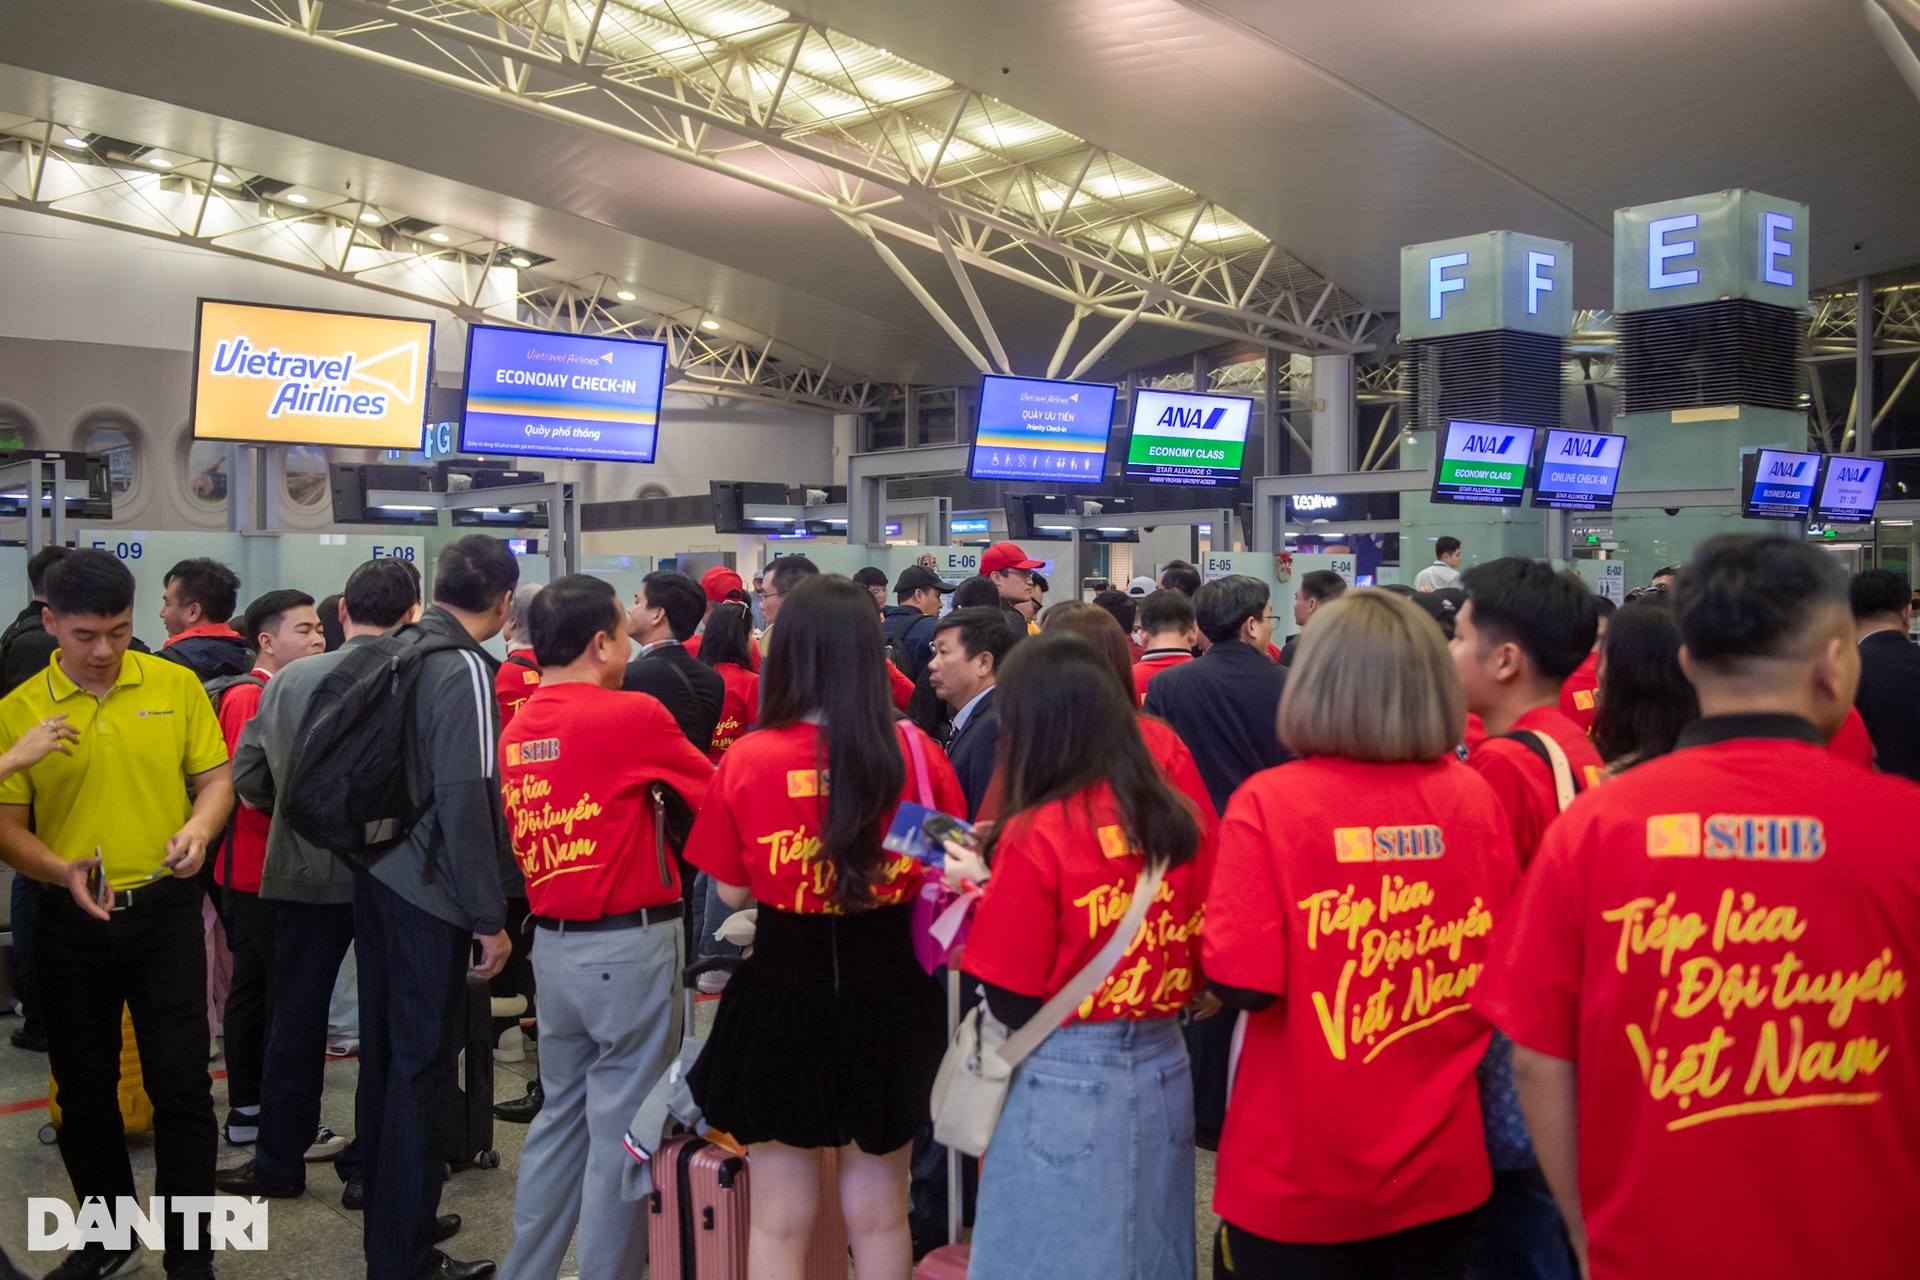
30,1037
353,1196
241,1131
96,1263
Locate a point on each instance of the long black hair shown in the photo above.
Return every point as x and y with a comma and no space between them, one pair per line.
826,660
1645,699
1066,725
728,637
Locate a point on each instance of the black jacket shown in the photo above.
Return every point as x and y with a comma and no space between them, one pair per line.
210,657
25,647
973,750
1889,701
691,691
912,628
1223,705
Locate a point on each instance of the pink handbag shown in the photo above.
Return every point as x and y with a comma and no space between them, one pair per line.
941,916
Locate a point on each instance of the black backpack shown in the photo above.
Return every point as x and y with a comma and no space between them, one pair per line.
355,783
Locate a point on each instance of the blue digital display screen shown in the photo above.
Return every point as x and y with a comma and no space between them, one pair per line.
969,524
1579,471
561,395
1849,490
1034,429
1778,485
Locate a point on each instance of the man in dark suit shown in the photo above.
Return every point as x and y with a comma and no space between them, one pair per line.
665,612
968,646
1316,587
1223,704
1889,694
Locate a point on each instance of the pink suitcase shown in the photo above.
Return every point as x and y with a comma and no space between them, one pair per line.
949,1261
700,1209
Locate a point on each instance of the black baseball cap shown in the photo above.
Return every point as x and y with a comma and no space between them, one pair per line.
917,577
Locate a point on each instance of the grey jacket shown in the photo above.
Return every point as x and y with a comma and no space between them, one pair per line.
454,862
295,870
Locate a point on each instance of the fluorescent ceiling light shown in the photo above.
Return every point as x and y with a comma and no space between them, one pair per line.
709,324
395,506
438,237
224,178
521,262
369,217
625,295
294,197
160,162
73,140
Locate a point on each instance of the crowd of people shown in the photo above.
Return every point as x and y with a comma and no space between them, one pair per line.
1484,929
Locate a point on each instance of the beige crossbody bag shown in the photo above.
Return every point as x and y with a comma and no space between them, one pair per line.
977,1071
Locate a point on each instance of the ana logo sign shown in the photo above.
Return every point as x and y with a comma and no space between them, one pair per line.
231,1222
1782,469
1583,446
1482,445
1194,419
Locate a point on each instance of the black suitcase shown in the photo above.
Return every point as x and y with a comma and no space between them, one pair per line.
468,1117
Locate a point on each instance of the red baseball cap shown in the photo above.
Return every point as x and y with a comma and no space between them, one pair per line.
720,583
1005,555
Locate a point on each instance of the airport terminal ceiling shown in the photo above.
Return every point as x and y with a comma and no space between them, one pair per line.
1332,134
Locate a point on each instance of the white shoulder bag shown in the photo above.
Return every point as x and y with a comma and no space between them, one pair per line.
977,1071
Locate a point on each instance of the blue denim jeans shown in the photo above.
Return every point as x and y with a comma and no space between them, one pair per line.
709,914
1089,1175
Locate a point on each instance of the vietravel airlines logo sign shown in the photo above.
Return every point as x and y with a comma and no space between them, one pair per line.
311,377
227,1222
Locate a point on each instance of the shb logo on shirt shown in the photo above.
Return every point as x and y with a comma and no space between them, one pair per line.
1387,844
232,1222
1745,836
538,751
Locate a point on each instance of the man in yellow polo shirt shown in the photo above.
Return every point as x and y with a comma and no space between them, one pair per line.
146,788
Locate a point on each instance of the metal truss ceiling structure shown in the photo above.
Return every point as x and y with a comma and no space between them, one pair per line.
46,168
900,153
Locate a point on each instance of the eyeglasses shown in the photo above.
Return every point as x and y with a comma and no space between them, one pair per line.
766,594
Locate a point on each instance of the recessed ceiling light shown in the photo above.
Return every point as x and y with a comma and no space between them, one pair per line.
625,295
73,140
160,162
369,216
709,324
224,178
519,261
294,197
438,237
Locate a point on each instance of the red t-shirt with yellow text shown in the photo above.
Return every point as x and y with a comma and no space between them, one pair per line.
1177,768
1723,939
575,767
1362,895
761,827
739,708
1063,875
1524,782
514,683
1577,700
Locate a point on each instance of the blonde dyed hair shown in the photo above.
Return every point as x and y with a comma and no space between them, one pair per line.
1372,680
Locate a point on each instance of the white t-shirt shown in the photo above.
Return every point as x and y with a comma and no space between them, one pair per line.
1436,576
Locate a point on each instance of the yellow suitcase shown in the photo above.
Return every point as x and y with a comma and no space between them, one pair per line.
136,1109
